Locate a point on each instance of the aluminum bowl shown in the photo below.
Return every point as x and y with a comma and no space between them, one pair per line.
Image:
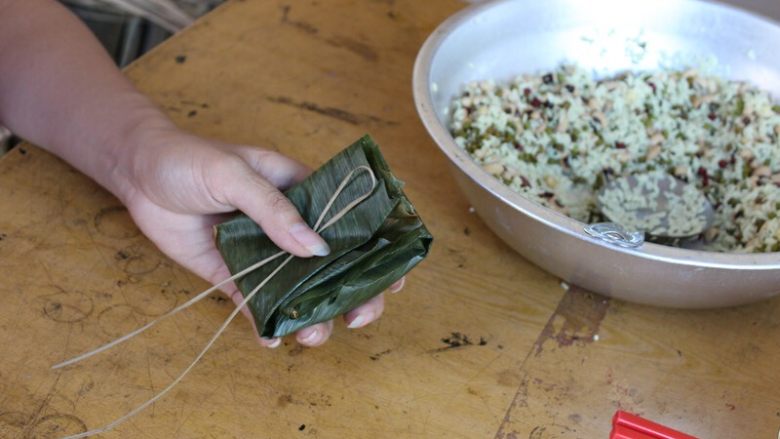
502,39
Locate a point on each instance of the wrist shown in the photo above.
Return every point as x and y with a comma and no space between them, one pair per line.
135,141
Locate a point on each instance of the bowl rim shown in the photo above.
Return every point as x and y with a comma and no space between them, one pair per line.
421,91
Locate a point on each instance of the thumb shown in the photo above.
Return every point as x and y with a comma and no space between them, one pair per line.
248,191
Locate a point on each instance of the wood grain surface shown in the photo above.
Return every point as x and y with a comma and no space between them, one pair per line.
481,344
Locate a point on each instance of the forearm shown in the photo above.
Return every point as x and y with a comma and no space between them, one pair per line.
61,91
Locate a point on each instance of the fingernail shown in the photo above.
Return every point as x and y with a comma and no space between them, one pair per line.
273,343
358,321
398,286
309,239
311,337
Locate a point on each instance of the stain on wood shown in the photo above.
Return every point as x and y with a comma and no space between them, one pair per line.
331,112
300,25
348,43
359,48
575,320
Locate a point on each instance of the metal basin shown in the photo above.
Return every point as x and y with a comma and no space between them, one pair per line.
504,38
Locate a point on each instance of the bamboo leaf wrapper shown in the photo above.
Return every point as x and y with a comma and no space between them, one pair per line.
372,246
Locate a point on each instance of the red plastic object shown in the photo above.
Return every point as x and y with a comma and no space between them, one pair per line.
628,426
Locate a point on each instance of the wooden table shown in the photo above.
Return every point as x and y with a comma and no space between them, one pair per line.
480,344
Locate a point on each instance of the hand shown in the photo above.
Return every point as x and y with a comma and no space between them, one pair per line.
178,186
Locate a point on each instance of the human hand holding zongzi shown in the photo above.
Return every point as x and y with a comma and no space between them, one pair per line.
183,185
60,90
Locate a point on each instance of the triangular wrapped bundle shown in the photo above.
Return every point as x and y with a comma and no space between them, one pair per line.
373,245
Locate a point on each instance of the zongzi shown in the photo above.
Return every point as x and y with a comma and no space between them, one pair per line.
373,244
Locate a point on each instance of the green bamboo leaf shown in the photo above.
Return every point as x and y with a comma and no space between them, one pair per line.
372,246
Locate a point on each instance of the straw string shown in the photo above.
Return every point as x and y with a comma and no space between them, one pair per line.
318,227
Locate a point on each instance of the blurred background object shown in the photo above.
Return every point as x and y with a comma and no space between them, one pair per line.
130,28
5,139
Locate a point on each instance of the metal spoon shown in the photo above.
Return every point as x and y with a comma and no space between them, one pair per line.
657,204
